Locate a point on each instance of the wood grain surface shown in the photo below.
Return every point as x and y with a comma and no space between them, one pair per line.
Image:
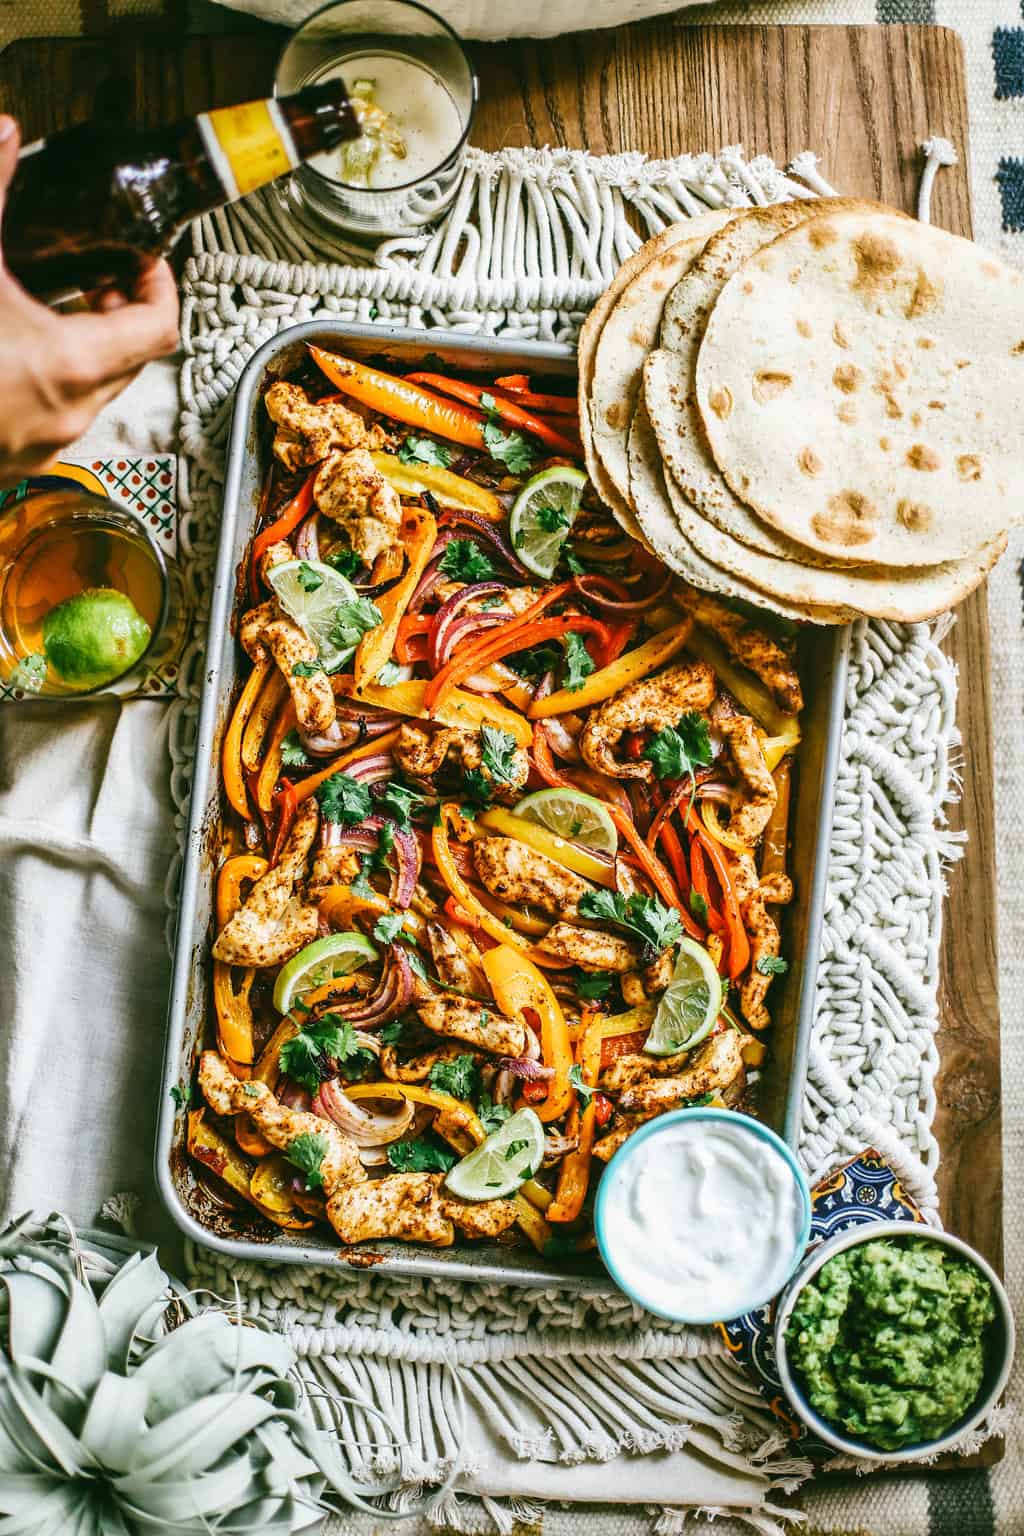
864,98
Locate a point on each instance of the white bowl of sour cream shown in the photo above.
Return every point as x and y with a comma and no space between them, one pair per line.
703,1215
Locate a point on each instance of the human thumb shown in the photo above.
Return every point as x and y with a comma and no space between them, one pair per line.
10,141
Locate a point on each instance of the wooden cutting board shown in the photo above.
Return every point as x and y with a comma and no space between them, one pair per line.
862,97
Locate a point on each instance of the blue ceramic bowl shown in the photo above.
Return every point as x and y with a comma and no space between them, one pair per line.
619,1164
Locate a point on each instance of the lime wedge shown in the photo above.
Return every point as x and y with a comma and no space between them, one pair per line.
689,1005
544,511
311,593
510,1155
335,955
571,814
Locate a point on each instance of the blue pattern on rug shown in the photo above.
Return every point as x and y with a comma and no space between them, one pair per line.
1008,58
1010,177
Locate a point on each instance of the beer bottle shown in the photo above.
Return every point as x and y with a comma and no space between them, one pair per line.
90,205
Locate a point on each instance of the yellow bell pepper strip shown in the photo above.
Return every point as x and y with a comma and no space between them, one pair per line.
249,1138
231,755
519,918
447,489
559,849
459,1114
746,689
574,1173
231,1002
392,396
531,1222
341,907
211,1149
775,748
270,769
775,845
272,696
268,1068
271,1183
418,533
468,711
517,984
608,681
309,786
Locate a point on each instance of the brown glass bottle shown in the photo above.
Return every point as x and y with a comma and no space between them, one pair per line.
90,205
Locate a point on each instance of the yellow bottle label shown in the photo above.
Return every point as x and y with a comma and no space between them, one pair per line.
255,143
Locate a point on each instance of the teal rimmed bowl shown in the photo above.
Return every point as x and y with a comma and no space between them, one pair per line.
618,1170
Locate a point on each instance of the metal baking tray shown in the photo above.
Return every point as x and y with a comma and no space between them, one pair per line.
780,1091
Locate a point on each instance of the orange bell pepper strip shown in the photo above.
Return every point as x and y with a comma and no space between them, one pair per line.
309,786
412,627
401,400
654,869
515,415
574,1173
517,985
271,767
479,651
473,659
518,384
457,886
418,533
285,524
231,1002
231,753
272,696
774,847
739,943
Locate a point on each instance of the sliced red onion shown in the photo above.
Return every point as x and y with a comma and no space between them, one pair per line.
293,1095
590,586
721,794
448,611
393,993
501,1090
327,743
369,770
366,1127
307,540
459,629
364,840
486,532
426,584
526,1068
480,683
561,741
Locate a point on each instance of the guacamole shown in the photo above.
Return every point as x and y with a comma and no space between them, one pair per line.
888,1342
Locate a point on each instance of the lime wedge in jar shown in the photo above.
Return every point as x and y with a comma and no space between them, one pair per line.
510,1155
336,955
689,1005
571,814
543,514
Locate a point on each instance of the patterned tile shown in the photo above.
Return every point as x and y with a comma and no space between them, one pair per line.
1008,58
1010,177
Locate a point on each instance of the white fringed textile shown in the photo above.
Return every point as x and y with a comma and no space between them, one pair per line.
532,239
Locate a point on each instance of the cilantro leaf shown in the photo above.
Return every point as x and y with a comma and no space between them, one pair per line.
388,927
320,1048
303,1060
498,754
309,580
551,519
293,754
342,798
696,1102
352,620
457,1077
573,564
491,1115
584,1092
679,750
307,668
698,906
592,986
251,1090
578,661
420,1157
307,1152
464,560
388,674
495,601
535,661
653,926
372,862
510,448
772,965
514,1148
400,803
423,450
392,1032
478,789
182,1096
345,561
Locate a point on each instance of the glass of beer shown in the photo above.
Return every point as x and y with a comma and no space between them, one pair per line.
89,602
415,91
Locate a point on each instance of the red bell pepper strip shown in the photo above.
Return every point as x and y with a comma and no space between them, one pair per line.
471,660
654,869
283,525
739,943
287,805
518,384
699,880
473,394
412,627
620,636
597,784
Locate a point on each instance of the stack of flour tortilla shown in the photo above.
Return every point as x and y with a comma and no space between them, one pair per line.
816,407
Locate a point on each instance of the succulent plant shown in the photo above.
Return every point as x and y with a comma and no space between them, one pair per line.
124,1408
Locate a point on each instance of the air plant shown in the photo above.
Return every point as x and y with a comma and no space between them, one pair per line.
125,1408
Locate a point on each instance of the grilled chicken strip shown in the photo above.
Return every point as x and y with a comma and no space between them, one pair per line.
308,431
274,922
756,794
589,949
351,489
485,1028
769,659
423,753
266,629
516,873
412,1206
762,929
651,704
715,1067
457,964
332,866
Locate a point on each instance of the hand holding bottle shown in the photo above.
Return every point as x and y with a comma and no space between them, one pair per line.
57,371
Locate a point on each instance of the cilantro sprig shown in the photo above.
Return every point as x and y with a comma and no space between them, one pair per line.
592,986
293,753
458,1077
578,662
345,799
584,1092
352,620
420,1157
321,1047
681,749
653,926
772,965
423,450
464,560
307,1153
512,449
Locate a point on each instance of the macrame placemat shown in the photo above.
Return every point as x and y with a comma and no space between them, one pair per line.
532,240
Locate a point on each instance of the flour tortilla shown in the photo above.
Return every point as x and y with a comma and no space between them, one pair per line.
654,512
909,595
681,436
860,381
630,331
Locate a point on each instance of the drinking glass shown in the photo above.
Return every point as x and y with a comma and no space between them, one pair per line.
416,69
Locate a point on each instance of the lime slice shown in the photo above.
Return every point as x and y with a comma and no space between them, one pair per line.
311,593
544,511
571,814
689,1005
510,1155
93,637
335,955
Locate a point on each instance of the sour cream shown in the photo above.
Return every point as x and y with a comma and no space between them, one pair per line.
702,1216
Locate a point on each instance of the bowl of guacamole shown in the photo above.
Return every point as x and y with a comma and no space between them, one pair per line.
892,1341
